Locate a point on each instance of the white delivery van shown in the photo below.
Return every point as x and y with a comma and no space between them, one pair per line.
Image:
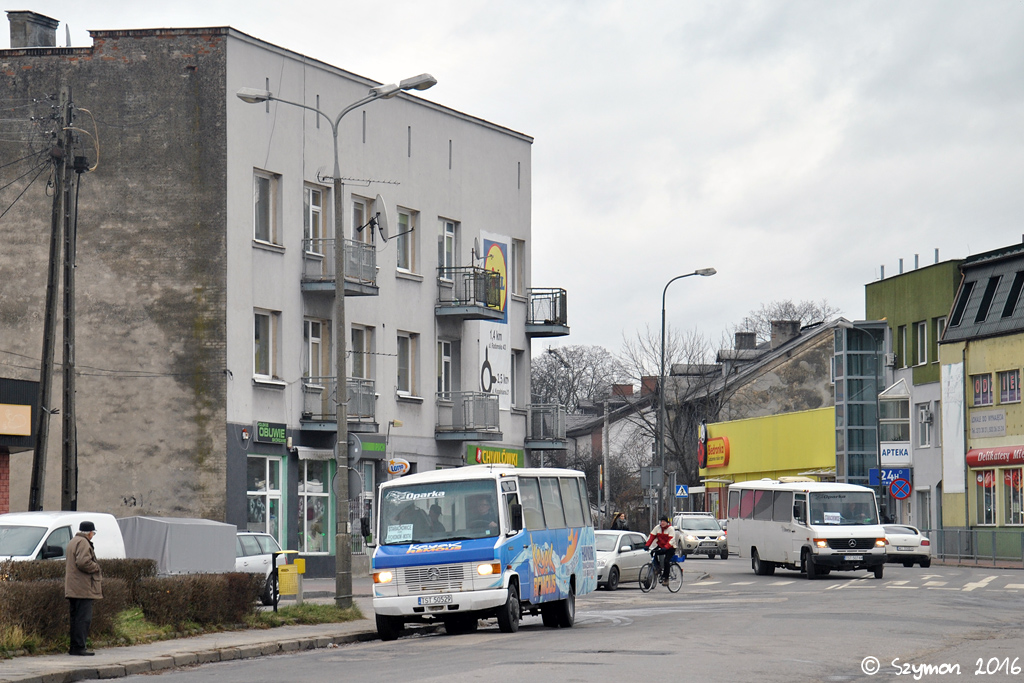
45,535
806,526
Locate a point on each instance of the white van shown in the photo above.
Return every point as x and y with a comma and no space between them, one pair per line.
807,526
45,535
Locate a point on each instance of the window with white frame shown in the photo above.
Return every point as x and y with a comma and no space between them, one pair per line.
265,343
361,352
264,207
517,377
407,363
517,267
406,236
312,337
904,349
444,367
263,495
313,220
360,215
1009,386
314,506
940,328
446,247
1013,514
982,389
921,342
924,425
985,493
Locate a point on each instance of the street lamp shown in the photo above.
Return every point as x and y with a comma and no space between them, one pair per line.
342,538
703,272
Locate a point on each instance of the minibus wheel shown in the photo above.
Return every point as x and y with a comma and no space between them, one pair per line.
389,628
809,567
508,614
566,609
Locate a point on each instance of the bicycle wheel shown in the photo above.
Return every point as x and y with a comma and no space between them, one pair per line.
647,577
675,578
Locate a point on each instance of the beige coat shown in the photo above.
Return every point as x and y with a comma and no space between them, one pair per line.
82,575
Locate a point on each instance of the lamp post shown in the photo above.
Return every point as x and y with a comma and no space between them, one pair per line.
343,536
703,272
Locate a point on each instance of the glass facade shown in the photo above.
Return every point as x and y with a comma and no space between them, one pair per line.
859,354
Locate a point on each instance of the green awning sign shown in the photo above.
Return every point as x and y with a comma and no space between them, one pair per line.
494,455
271,432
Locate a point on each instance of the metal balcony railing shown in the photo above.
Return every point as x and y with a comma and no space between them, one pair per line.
467,411
469,286
547,307
545,422
318,261
319,396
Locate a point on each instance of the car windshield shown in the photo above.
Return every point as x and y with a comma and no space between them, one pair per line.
843,507
17,541
699,524
606,543
442,511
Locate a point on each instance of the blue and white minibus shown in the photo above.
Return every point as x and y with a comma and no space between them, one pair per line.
458,545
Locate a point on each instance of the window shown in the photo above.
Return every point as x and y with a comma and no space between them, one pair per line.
904,350
982,389
571,499
407,363
921,342
265,344
314,506
782,506
263,493
444,367
1009,386
533,516
985,490
1014,296
359,219
312,331
924,425
961,304
264,202
551,499
361,353
517,267
763,502
1012,511
986,299
517,381
406,236
894,419
938,330
446,247
313,220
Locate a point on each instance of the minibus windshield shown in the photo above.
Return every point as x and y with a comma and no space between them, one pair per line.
843,507
440,511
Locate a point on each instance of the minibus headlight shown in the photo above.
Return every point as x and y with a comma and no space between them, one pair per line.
880,542
383,577
488,569
821,542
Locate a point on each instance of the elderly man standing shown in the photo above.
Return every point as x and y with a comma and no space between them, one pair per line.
82,578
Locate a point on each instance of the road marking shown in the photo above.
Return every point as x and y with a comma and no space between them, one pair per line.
913,588
781,583
706,583
1015,586
979,584
934,583
898,583
743,583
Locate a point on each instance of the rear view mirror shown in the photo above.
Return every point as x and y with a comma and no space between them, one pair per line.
51,551
625,549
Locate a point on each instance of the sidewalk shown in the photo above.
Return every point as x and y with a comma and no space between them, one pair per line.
117,662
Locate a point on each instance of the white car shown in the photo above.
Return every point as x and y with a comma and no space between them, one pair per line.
907,545
620,555
254,554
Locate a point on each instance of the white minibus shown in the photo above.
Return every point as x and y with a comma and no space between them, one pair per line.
806,526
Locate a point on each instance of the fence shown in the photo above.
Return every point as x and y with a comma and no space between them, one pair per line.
978,546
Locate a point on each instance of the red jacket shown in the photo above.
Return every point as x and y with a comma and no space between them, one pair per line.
665,538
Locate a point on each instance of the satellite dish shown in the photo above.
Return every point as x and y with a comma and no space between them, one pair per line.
383,222
476,250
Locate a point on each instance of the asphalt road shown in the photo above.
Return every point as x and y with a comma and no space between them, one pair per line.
729,626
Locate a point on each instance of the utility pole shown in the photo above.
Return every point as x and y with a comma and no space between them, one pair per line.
59,157
69,452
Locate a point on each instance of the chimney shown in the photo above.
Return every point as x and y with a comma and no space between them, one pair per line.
622,390
783,331
746,340
648,385
29,29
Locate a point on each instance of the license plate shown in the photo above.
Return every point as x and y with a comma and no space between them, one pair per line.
854,558
708,544
435,600
905,548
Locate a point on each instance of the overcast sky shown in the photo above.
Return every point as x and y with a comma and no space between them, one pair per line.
796,147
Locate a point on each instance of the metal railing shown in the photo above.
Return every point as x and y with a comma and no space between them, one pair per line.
547,307
545,422
467,411
319,395
978,546
469,286
318,261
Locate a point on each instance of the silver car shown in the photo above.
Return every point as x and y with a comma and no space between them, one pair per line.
702,534
254,554
907,545
620,555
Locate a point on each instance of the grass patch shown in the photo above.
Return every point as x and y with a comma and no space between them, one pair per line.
14,639
309,613
130,626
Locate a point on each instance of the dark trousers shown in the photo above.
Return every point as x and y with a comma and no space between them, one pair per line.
664,557
81,620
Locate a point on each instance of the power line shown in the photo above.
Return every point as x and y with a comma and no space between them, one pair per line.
42,167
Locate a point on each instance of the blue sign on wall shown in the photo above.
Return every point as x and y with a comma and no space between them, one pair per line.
887,475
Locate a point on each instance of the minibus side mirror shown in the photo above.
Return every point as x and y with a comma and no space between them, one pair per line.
516,512
798,512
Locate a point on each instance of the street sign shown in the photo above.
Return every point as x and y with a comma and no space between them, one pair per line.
900,489
682,491
887,475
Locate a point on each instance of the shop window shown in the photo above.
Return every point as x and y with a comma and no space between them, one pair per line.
1009,386
982,389
985,487
314,506
1013,514
263,476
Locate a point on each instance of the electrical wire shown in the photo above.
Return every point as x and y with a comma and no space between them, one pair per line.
18,161
42,167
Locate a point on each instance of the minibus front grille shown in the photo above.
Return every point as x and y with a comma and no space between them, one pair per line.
851,543
442,578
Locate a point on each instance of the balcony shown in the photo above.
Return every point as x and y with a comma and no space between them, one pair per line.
319,406
546,315
467,416
545,427
469,293
318,267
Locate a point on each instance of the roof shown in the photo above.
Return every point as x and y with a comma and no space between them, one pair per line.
988,301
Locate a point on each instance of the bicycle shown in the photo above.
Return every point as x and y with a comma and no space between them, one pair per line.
651,572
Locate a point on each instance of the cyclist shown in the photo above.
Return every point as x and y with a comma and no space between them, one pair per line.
664,538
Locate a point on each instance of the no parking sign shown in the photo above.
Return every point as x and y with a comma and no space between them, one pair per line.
900,489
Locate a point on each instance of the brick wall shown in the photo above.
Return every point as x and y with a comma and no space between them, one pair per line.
5,483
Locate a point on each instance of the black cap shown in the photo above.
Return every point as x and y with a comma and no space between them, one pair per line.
663,519
87,526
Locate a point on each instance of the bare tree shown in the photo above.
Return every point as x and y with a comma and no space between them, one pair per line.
807,312
571,375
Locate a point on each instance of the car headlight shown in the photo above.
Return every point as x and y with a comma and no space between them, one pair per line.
690,538
601,564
